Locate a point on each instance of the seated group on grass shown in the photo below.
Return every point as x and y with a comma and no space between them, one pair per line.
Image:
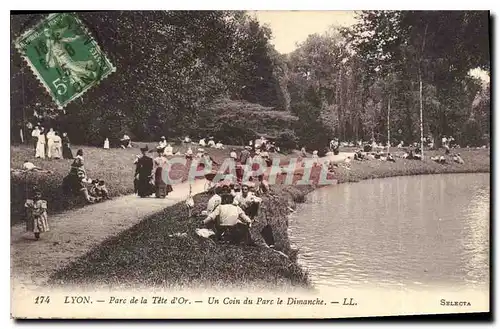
231,213
359,155
76,182
442,159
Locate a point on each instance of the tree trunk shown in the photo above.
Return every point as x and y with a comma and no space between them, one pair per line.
421,91
421,116
388,125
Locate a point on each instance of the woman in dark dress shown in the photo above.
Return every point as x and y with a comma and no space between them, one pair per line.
66,148
144,174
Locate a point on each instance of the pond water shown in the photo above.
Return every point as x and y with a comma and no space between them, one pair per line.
417,231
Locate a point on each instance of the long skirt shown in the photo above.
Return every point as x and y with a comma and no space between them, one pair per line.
161,189
40,150
66,152
144,186
50,145
56,151
37,224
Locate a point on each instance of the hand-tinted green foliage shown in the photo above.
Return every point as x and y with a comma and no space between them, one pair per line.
170,65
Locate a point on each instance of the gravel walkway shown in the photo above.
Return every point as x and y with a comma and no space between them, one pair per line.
73,233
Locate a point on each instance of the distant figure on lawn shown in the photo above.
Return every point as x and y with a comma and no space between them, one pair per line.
245,154
219,145
233,154
189,153
126,142
56,146
36,214
458,159
66,147
106,144
169,150
211,142
163,142
34,136
50,142
143,174
40,145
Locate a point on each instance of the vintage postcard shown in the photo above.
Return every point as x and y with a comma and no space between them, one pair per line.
250,164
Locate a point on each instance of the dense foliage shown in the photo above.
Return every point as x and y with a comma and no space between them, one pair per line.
170,64
194,72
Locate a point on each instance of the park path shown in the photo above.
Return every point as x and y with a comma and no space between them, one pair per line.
73,233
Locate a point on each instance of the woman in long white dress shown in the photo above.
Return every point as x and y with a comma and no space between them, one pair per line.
40,146
56,146
50,142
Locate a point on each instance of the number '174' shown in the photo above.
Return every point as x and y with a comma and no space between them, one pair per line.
42,299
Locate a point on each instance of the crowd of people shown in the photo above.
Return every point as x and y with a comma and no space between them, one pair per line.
232,211
234,205
50,145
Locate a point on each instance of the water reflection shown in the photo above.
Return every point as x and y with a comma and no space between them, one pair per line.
420,230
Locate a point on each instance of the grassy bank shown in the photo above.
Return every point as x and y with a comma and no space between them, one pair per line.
114,166
149,254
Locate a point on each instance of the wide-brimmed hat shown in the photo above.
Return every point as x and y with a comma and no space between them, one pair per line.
145,148
160,148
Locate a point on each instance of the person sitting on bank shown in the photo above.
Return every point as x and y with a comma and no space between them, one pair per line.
233,154
189,153
202,142
187,140
75,181
125,141
102,190
211,142
230,221
214,201
390,158
263,186
359,155
162,143
169,150
219,145
244,155
247,200
458,159
418,153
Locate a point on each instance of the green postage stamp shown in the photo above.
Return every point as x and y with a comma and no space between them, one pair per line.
64,57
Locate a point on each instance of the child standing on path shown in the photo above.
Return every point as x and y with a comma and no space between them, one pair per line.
36,212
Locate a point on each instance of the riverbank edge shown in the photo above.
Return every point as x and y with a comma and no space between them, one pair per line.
264,265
